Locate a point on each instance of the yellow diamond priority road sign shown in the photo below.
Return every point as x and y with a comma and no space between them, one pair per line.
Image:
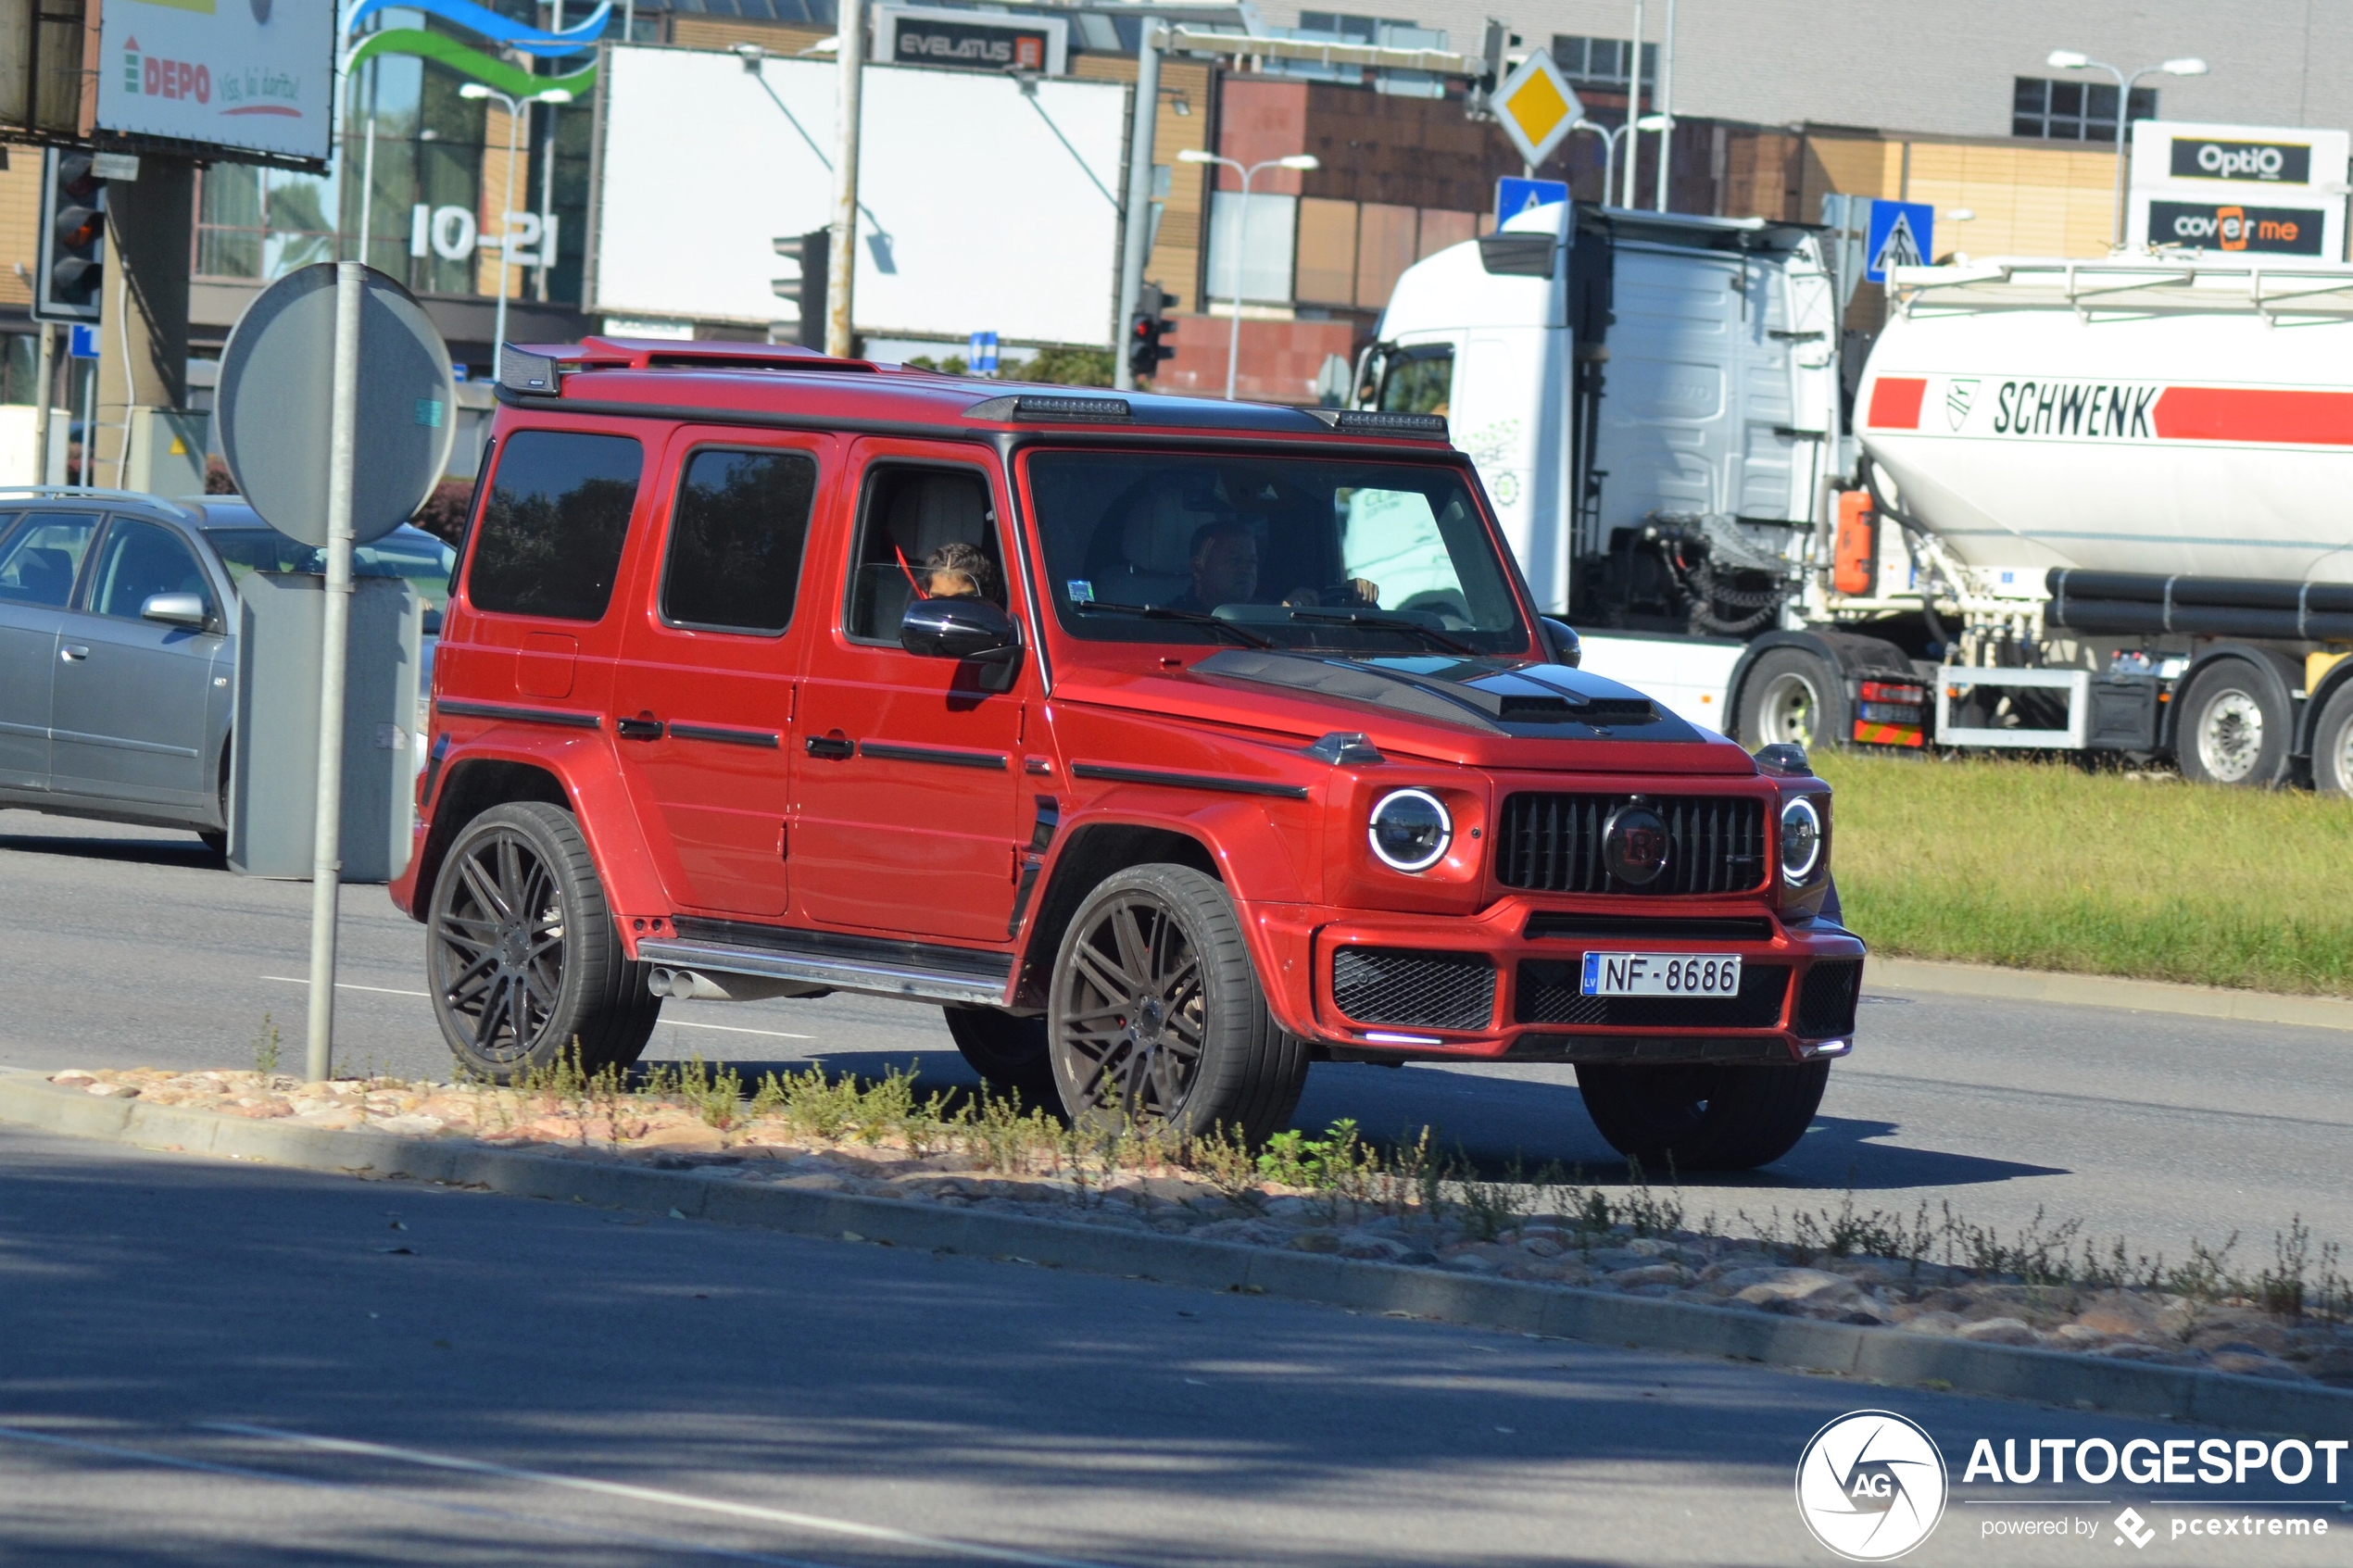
1537,108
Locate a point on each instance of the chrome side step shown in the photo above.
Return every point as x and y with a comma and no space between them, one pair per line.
838,972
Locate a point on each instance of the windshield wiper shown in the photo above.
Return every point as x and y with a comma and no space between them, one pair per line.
1191,617
1385,623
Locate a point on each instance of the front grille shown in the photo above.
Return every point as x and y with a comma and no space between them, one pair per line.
1553,843
1420,990
1551,992
1826,1002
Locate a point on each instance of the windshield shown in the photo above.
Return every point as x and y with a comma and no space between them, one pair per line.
405,552
1291,552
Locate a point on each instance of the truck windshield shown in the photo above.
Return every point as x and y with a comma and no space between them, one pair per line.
1295,552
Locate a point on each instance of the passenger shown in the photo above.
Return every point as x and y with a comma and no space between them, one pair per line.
958,571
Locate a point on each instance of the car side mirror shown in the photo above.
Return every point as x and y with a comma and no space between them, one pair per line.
1561,637
177,610
959,629
431,627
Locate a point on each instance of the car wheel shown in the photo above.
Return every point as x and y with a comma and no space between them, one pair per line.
524,958
1155,1017
2232,729
1793,698
1702,1118
1008,1052
2333,745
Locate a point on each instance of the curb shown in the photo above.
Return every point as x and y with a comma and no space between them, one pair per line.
2106,991
1881,1355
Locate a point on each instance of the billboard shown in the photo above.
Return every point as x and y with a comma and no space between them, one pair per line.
981,207
239,75
2259,190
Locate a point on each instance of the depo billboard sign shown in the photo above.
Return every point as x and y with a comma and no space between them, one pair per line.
2264,189
241,75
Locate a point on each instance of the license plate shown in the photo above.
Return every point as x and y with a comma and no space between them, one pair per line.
1662,974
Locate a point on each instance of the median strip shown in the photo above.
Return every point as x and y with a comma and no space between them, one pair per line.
1901,1300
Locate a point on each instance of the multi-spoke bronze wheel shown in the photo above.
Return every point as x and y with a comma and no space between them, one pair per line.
1156,1017
524,958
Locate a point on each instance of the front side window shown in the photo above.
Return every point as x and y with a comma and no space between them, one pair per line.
43,556
1322,553
735,542
139,561
1419,379
925,532
554,524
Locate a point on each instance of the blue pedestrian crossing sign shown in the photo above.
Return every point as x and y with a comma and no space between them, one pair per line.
1515,196
1900,234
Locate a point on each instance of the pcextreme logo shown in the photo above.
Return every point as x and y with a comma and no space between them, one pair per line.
1870,1485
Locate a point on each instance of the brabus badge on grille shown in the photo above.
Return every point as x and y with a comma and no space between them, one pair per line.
1634,845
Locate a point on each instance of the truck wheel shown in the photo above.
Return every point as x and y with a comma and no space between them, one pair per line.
2333,745
1791,696
524,958
1702,1118
1008,1052
2232,729
1155,1016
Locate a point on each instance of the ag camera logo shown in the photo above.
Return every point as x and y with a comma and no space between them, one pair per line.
1870,1485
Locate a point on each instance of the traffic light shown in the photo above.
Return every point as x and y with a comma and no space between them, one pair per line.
814,252
1146,328
71,253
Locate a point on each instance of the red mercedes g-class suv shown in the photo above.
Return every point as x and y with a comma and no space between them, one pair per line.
1168,745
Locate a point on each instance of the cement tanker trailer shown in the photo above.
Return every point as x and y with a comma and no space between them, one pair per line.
2119,495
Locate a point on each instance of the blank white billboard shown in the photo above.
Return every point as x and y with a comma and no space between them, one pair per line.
982,208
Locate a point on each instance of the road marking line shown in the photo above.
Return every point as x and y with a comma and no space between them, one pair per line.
476,1511
674,1023
656,1494
345,985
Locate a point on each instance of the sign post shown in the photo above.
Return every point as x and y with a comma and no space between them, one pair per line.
326,862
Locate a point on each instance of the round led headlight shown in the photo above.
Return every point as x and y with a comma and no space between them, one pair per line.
1410,830
1801,839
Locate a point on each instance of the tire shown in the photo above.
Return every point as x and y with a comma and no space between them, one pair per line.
2233,728
216,840
1008,1052
1702,1118
522,955
1792,696
1155,1016
2333,745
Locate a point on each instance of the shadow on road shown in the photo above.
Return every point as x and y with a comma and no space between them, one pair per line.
173,851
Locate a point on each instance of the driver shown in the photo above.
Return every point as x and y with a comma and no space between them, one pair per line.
1224,565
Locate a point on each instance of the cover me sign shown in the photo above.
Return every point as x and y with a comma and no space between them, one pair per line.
241,75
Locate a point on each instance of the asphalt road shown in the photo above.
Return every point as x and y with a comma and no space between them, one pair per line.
210,1363
131,948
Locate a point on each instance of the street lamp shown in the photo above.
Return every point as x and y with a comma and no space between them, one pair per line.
477,92
1242,229
2075,59
1610,134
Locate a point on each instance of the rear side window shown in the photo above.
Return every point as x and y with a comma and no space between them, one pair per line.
42,558
735,542
554,524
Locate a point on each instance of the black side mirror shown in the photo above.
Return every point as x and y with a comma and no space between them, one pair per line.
1561,637
959,629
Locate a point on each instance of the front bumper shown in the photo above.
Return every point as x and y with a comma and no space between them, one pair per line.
1504,986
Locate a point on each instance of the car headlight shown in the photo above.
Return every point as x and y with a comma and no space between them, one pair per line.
1410,830
1801,840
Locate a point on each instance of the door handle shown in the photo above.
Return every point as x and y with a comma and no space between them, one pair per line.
73,653
638,729
836,746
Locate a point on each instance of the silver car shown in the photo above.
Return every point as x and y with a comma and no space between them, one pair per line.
118,649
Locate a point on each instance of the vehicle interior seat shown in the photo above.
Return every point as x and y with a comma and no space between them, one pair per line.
43,576
1156,546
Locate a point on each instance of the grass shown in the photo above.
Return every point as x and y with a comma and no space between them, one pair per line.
2043,865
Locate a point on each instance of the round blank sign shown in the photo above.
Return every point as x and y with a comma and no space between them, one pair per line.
277,382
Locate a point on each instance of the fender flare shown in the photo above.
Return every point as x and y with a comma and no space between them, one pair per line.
2277,674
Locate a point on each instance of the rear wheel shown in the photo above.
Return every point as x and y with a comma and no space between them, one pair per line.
2333,745
523,955
1008,1052
1156,1017
1792,696
2233,728
1702,1118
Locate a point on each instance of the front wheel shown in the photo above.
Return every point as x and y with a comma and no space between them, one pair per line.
1155,1017
1791,697
524,958
1702,1118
